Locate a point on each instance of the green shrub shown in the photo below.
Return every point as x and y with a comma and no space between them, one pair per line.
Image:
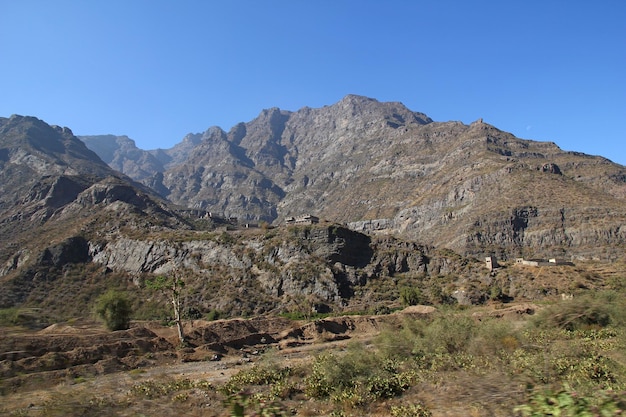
389,385
449,333
9,316
410,296
568,403
243,404
213,315
192,313
495,293
589,311
114,309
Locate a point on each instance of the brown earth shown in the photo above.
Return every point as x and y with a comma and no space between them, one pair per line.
73,359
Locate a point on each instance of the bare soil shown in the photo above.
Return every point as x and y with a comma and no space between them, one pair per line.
71,360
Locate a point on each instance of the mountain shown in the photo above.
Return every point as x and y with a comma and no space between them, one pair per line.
121,154
382,168
56,194
71,227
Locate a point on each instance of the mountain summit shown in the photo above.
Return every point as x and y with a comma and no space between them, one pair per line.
383,168
398,191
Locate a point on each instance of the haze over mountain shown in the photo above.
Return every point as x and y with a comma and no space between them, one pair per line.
381,167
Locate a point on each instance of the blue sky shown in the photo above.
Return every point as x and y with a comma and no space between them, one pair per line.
155,70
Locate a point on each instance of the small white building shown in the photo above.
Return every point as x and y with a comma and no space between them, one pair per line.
491,262
541,262
304,219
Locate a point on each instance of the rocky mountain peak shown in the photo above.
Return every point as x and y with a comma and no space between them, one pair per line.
213,131
191,139
212,134
396,113
388,169
108,147
30,141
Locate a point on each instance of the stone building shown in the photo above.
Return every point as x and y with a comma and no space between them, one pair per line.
541,262
491,262
304,219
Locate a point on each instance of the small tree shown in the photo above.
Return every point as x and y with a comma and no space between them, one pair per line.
114,309
172,287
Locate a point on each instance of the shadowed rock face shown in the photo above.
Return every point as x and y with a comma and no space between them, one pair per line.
72,250
52,187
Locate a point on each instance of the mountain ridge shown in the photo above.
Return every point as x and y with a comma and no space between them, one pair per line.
360,160
423,200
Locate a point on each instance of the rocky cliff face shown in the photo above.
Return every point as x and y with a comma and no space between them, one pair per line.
285,163
383,168
325,265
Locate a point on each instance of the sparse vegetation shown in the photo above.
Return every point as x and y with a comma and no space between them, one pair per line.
172,287
114,309
504,366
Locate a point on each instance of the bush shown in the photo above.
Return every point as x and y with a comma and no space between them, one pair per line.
9,316
567,402
192,313
449,333
114,309
243,404
587,312
410,296
213,315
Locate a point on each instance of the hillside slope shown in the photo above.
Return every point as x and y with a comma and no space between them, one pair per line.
56,195
383,168
72,227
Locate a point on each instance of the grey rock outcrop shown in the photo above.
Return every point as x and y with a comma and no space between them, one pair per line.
322,263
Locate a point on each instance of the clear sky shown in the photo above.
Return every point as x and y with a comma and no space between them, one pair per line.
155,70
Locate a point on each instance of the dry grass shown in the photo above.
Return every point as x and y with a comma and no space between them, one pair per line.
448,365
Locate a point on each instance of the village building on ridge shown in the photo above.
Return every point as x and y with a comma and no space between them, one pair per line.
304,219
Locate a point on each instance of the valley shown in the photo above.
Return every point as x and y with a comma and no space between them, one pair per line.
354,259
